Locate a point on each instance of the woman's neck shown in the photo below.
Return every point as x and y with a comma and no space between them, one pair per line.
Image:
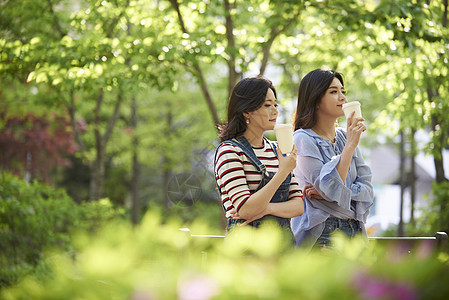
325,129
255,139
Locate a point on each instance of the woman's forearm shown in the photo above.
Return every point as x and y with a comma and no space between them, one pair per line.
288,209
344,163
259,201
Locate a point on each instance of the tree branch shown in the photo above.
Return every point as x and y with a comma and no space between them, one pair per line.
275,32
113,120
200,76
55,19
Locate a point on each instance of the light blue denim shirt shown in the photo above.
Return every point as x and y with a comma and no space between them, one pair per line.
317,165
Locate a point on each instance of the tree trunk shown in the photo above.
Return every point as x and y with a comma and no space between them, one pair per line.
166,162
135,177
97,175
166,180
439,140
402,184
445,3
412,176
28,167
97,167
233,75
136,167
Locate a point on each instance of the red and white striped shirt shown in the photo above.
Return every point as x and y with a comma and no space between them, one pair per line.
238,178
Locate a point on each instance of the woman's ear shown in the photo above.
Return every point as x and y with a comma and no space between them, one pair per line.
246,116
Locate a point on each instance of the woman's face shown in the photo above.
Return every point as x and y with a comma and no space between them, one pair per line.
332,101
264,118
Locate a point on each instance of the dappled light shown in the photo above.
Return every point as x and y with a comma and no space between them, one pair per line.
110,112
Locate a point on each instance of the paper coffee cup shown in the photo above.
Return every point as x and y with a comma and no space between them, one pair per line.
284,137
349,107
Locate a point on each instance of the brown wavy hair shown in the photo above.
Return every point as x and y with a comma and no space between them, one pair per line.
311,90
247,95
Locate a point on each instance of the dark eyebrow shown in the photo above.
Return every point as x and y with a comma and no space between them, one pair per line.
335,87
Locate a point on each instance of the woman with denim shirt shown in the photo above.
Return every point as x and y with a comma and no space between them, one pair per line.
335,179
254,179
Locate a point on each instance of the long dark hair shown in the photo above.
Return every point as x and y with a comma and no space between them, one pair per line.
247,95
311,89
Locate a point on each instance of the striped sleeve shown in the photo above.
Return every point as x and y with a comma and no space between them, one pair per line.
295,191
230,176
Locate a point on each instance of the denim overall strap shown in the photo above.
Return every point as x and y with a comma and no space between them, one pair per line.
243,143
280,195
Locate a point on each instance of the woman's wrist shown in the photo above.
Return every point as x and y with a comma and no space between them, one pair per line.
282,174
268,210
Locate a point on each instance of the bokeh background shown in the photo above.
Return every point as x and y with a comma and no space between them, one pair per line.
109,109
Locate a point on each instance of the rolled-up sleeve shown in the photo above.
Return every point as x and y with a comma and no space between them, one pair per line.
362,189
313,169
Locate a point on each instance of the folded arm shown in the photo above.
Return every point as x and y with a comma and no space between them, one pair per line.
288,209
361,188
325,179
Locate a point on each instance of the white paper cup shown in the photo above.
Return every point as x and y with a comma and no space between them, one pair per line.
349,107
284,137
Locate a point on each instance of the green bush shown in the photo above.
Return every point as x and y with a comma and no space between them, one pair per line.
158,261
32,217
36,217
440,207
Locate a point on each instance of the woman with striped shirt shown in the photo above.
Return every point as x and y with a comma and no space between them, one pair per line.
254,179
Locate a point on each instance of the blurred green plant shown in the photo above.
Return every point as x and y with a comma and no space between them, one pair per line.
433,218
35,217
156,260
441,213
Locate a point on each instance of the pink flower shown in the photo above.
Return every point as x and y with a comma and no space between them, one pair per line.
370,287
200,287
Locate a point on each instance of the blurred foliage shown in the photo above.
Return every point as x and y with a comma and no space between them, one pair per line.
33,145
158,261
433,218
36,217
89,60
440,206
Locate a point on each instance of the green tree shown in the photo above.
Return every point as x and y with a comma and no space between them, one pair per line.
92,67
239,35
